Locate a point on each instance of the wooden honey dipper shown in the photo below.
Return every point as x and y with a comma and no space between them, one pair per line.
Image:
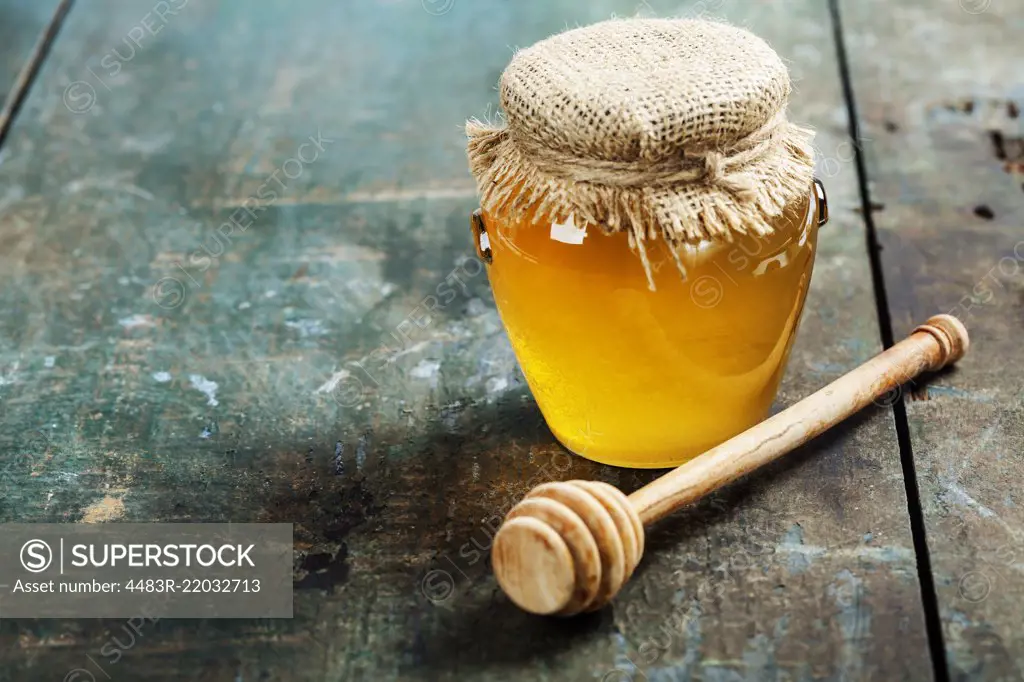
569,547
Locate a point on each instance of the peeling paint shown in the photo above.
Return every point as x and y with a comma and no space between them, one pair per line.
110,508
12,375
497,385
854,620
206,387
332,383
307,327
426,369
137,320
953,392
960,497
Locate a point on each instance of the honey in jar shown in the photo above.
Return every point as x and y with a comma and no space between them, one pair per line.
650,277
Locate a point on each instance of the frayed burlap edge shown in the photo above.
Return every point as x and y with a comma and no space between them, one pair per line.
512,186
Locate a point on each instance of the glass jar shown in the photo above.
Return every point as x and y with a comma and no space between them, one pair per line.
638,378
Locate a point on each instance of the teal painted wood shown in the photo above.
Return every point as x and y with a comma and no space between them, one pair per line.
168,354
940,106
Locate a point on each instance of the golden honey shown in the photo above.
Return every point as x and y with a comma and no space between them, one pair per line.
638,378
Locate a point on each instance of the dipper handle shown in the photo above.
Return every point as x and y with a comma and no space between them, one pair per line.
570,546
941,341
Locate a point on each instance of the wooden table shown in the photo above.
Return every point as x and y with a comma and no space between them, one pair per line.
212,212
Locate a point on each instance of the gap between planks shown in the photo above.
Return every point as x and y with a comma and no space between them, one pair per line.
27,74
915,512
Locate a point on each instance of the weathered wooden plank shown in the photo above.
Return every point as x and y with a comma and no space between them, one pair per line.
22,22
939,90
153,370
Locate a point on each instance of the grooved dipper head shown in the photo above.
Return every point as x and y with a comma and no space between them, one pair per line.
567,547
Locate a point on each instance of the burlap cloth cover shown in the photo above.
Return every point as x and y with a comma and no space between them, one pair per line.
671,127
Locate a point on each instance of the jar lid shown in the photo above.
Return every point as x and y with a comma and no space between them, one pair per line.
670,127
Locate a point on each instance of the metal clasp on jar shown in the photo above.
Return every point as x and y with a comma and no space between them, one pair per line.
819,194
481,242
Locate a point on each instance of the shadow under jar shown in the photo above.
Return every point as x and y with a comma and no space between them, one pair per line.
663,327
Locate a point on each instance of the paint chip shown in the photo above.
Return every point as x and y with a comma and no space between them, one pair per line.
332,383
307,327
136,320
11,377
497,384
206,387
960,497
425,369
162,377
107,509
